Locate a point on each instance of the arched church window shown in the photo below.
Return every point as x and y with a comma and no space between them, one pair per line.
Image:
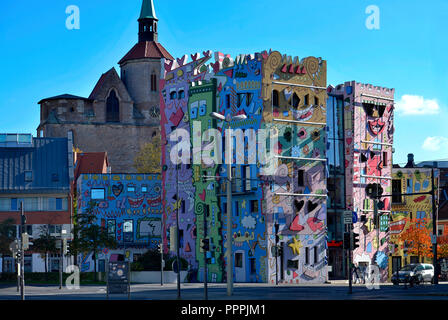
112,108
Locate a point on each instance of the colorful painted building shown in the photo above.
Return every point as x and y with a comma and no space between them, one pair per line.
413,210
129,206
285,97
294,99
362,142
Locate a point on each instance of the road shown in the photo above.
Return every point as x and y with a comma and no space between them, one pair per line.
333,291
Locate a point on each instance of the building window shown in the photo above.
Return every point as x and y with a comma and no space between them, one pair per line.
307,255
292,264
14,204
181,238
440,230
316,254
254,206
153,83
111,228
28,176
112,108
128,230
238,260
58,204
253,266
307,99
54,229
275,98
396,191
316,101
182,206
144,189
131,189
97,194
295,100
300,178
228,101
181,94
237,209
173,95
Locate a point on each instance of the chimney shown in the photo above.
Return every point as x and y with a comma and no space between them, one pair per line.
410,163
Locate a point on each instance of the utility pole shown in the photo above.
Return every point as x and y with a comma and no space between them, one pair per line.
22,255
276,252
350,264
161,262
61,263
229,216
434,231
206,247
177,230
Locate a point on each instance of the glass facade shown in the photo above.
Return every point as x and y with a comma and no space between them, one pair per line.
336,167
34,204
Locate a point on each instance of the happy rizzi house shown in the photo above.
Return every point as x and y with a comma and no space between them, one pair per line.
284,95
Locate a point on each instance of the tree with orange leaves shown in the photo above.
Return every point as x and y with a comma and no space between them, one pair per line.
442,248
417,239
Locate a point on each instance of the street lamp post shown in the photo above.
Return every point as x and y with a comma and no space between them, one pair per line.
229,157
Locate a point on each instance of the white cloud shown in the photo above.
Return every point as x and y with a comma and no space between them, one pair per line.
435,143
417,105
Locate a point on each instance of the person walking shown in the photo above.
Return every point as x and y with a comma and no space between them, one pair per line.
356,274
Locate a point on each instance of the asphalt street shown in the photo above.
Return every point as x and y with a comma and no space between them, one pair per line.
334,291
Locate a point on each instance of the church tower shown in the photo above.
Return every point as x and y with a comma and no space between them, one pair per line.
147,22
141,66
122,114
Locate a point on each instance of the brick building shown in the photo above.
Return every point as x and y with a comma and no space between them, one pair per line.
122,112
37,172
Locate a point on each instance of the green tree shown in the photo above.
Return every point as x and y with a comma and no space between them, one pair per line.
7,230
91,236
148,160
45,244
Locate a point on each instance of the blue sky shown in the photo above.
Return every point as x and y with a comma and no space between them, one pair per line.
42,58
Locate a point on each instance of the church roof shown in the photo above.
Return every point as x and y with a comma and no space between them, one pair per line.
63,96
108,80
146,49
148,11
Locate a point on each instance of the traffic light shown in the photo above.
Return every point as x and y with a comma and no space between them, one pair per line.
355,240
160,248
374,190
18,255
346,240
205,244
277,238
173,238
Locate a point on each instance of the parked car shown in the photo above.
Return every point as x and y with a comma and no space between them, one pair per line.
414,273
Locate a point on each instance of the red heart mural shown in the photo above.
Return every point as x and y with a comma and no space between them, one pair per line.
202,195
295,226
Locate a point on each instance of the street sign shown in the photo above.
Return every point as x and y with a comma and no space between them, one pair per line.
348,217
433,239
355,217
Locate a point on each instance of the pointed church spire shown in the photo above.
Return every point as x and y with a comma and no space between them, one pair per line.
147,23
148,11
